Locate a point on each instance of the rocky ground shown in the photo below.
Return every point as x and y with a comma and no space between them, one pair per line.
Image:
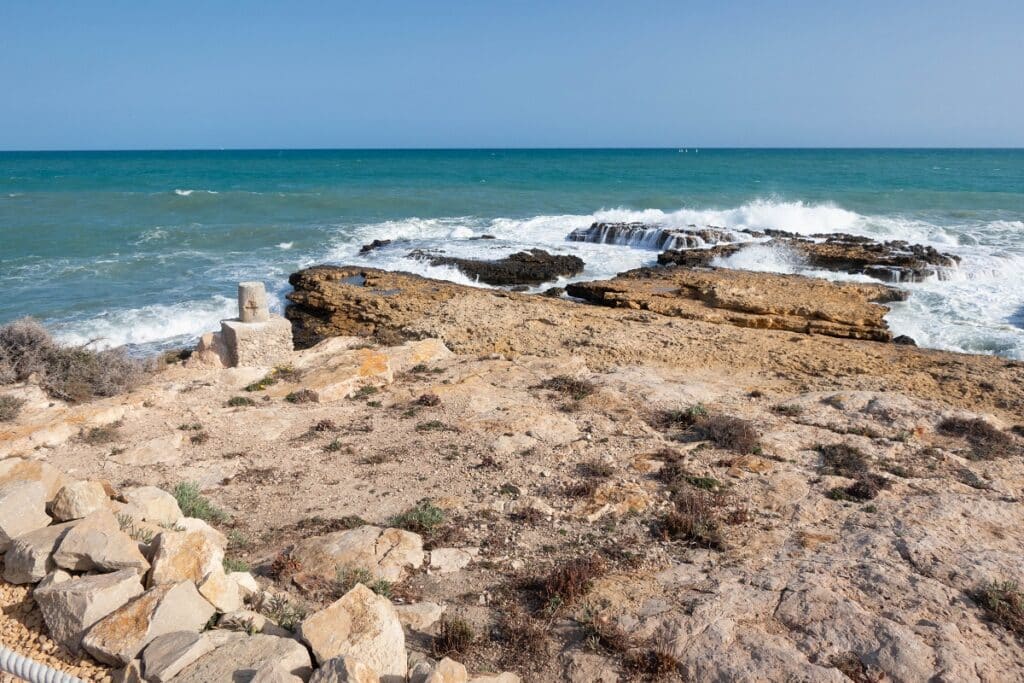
691,481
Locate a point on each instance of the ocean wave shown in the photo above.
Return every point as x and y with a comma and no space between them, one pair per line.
147,325
189,193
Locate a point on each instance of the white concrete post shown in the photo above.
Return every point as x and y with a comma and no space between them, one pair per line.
252,303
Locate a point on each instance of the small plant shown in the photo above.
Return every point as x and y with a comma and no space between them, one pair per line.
347,578
842,460
728,432
434,426
302,396
335,446
694,520
365,391
429,400
1003,602
789,409
866,487
378,458
576,389
284,566
570,581
194,504
523,637
454,638
678,418
596,468
240,402
138,534
423,518
234,564
10,406
987,442
283,612
190,427
324,426
261,384
282,373
199,438
97,436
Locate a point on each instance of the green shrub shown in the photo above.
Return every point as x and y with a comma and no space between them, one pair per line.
422,518
194,504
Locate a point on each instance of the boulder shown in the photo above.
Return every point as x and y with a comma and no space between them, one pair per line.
22,510
361,624
241,657
252,622
344,670
196,524
386,553
246,583
129,673
531,267
155,451
184,556
97,543
29,557
447,560
120,636
70,606
445,671
78,499
22,469
275,673
168,654
150,504
419,616
221,591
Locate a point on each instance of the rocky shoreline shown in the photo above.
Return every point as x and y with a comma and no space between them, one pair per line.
680,473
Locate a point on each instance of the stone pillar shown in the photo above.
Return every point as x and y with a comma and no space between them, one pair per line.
252,303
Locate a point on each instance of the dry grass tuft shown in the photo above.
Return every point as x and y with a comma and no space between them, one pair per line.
695,519
732,433
843,460
571,580
302,396
576,389
454,638
1003,602
10,406
987,442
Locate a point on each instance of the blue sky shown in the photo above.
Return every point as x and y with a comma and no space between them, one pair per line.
142,75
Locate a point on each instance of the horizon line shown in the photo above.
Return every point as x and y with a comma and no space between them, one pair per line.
504,149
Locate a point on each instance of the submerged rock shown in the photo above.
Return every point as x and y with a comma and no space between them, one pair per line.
651,236
531,267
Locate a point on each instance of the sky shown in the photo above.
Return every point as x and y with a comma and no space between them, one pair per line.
396,74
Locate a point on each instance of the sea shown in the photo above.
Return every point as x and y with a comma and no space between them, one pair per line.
145,249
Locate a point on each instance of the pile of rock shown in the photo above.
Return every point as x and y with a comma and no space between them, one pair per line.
126,578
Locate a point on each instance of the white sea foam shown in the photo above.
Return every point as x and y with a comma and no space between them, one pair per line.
149,324
286,245
189,193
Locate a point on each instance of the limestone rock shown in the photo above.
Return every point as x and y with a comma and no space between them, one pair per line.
221,591
242,656
120,636
29,557
129,673
169,653
185,556
275,673
97,543
361,624
445,671
503,677
345,669
22,510
162,449
246,583
211,351
196,524
71,606
419,616
150,504
385,553
78,499
447,560
531,267
22,469
252,622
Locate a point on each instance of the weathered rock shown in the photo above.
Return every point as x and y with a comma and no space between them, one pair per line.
385,553
447,560
185,556
375,244
120,636
221,591
150,504
275,673
169,653
129,673
345,669
445,671
160,449
96,542
503,677
361,624
195,524
242,656
524,268
650,236
29,557
761,300
252,622
78,499
257,344
21,469
419,616
71,606
22,510
246,583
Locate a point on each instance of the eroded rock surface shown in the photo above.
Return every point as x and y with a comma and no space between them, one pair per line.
531,267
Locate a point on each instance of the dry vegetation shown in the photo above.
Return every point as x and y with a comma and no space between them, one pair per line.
69,373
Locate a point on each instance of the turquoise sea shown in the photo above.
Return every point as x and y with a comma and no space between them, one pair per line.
145,248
